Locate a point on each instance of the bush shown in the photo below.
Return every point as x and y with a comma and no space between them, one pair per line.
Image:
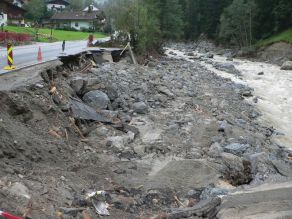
88,30
14,37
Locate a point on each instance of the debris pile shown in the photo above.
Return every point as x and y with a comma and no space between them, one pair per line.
128,141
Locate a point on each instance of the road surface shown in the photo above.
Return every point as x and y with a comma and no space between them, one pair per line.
27,55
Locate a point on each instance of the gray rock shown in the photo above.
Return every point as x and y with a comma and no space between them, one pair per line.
236,148
247,93
261,73
19,189
210,56
96,99
80,110
227,67
287,65
256,159
194,154
165,90
215,150
152,64
77,84
210,192
120,142
283,167
193,194
140,108
222,126
235,169
112,92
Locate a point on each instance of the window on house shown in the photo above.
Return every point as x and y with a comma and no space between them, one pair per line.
76,24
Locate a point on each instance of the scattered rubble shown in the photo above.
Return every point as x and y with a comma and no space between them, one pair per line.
161,141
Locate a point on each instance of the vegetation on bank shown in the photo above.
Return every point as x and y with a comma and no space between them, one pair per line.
239,23
285,36
44,34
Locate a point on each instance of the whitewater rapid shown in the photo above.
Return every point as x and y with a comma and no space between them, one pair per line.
273,90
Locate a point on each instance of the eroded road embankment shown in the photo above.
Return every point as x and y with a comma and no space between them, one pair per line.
165,140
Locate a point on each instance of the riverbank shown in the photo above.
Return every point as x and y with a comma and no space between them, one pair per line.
165,140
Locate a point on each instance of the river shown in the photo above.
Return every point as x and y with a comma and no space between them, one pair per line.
273,90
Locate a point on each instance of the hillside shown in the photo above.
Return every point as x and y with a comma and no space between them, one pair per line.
285,36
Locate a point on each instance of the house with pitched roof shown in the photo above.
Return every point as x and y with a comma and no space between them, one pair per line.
78,20
10,13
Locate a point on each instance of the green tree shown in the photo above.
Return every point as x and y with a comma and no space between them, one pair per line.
76,5
283,15
137,19
237,22
171,22
36,10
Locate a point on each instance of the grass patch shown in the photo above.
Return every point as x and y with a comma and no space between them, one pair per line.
58,35
285,36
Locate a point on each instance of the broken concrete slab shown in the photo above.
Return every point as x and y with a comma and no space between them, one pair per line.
205,209
266,201
79,110
184,174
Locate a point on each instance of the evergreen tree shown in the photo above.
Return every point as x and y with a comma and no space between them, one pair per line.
171,23
237,22
36,10
76,5
283,15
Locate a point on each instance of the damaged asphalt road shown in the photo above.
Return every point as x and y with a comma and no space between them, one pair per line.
145,142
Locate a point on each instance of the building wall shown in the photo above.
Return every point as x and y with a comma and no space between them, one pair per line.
3,19
13,12
78,25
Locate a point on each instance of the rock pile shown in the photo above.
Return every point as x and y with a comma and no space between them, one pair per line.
161,140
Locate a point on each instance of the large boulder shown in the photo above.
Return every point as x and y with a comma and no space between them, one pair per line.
287,65
236,148
215,150
235,169
211,192
140,108
227,67
96,99
77,84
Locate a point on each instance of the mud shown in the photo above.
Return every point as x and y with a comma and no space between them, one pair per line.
171,158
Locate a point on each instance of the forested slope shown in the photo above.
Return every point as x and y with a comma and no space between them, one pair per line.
234,22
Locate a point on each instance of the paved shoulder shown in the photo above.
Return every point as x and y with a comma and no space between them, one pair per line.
267,201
